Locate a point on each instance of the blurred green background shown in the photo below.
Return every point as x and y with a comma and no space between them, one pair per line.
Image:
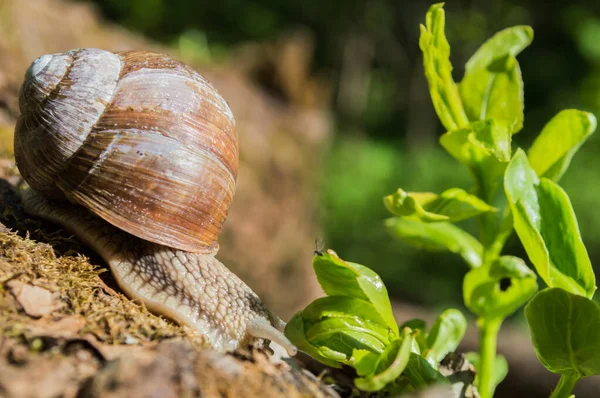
386,129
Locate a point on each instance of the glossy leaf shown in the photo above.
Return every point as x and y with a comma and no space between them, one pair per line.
492,87
342,307
552,151
484,147
340,278
451,205
499,290
436,237
419,328
479,140
496,93
345,335
294,331
565,331
390,366
445,335
421,374
510,41
438,70
545,222
364,361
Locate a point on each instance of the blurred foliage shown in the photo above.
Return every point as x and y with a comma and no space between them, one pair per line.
387,129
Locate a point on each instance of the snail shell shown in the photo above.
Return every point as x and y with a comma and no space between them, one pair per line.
139,139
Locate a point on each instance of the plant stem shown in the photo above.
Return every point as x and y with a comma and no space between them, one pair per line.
487,350
565,385
494,233
505,229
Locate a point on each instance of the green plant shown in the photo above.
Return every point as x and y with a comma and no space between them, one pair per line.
354,325
481,114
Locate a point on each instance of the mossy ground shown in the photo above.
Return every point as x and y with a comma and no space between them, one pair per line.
109,315
83,287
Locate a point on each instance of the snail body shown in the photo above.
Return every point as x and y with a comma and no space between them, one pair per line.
137,155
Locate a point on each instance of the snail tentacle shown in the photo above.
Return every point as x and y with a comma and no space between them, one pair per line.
260,328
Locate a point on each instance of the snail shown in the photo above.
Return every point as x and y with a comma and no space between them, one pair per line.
137,155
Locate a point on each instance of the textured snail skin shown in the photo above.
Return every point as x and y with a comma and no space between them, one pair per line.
193,288
136,154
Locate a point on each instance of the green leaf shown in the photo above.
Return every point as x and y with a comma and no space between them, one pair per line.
500,368
493,137
445,335
340,278
552,151
484,147
343,307
421,374
391,364
497,291
438,70
294,331
545,222
479,140
364,361
565,331
419,328
510,41
437,237
451,205
415,324
410,205
495,93
345,335
492,87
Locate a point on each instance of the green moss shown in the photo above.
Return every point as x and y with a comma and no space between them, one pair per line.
109,315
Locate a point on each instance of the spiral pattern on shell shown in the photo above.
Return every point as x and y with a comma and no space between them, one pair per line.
139,139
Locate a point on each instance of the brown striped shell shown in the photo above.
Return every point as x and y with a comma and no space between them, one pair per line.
139,139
